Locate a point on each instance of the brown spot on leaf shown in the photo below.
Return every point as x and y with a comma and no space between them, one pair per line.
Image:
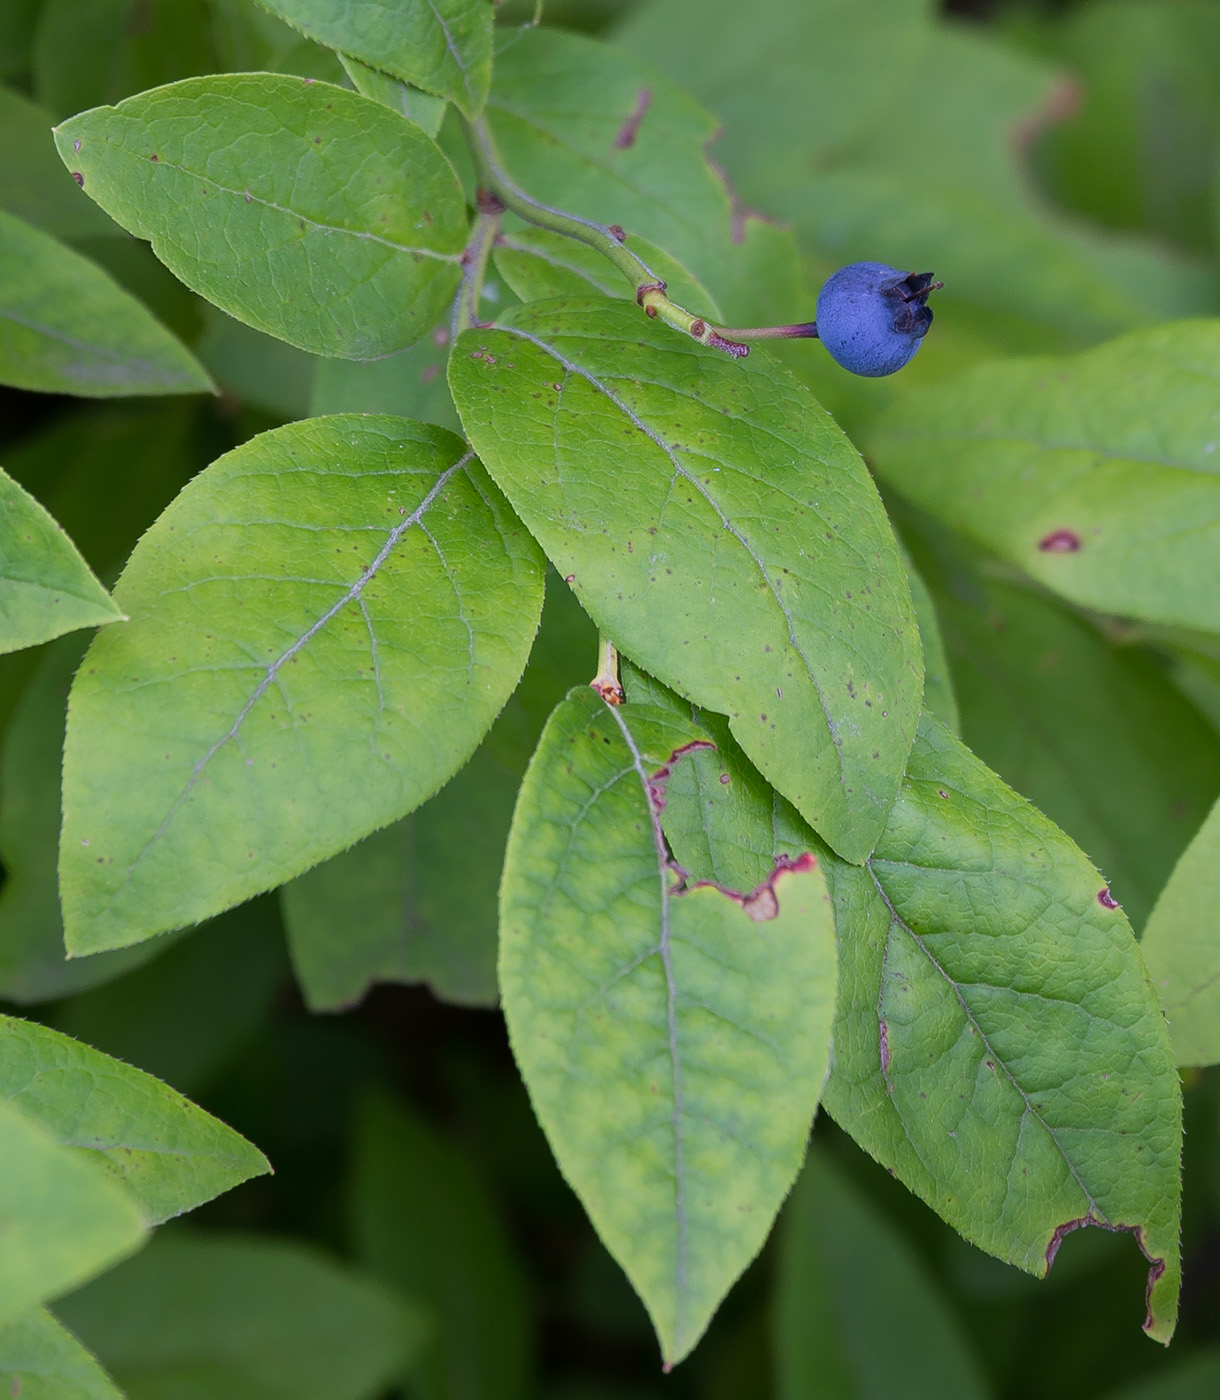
630,129
1106,899
1060,542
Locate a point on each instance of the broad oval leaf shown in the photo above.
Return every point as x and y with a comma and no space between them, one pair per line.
66,327
1098,474
169,1155
674,1040
442,46
225,1314
997,1045
61,1218
719,527
1181,947
46,588
324,624
305,210
40,1360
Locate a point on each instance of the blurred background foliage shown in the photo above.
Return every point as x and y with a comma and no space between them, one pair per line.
1059,166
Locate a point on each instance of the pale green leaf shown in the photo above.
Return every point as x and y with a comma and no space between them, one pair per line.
33,182
46,588
1098,474
718,526
422,108
1181,947
227,1316
442,46
997,1044
421,1218
305,210
857,1315
324,624
62,1218
538,264
169,1155
674,1039
40,1360
66,327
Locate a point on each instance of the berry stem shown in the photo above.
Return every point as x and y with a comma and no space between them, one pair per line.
474,263
610,240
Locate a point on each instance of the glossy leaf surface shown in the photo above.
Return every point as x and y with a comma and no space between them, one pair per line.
40,1360
46,588
442,46
169,1155
674,1042
719,527
325,622
243,1317
305,210
1097,474
66,327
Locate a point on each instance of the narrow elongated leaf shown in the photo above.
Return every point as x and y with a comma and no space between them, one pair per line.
222,1316
857,1315
938,693
305,210
720,528
324,624
997,1044
421,1219
46,588
422,108
1097,474
61,1218
674,1042
1181,947
67,328
169,1155
40,1360
442,46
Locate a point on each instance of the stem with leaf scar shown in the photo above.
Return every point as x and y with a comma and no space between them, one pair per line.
497,186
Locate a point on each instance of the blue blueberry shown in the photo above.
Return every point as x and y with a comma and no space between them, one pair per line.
871,317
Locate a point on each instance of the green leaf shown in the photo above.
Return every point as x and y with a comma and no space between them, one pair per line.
410,384
419,900
1181,947
717,525
40,1360
1095,735
33,182
586,128
61,1217
397,596
226,1316
938,693
168,1155
997,1045
1195,1377
846,1280
674,1040
258,369
422,108
1097,474
46,588
34,965
442,46
421,1218
66,327
307,211
538,264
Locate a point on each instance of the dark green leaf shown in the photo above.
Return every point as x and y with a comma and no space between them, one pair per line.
46,588
243,1317
67,328
857,1315
719,527
422,108
422,1220
260,370
397,596
410,384
1098,474
61,1217
307,211
442,46
674,1039
168,1155
40,1360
